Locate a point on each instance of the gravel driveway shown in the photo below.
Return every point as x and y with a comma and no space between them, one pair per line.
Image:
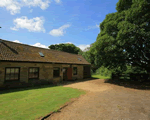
105,101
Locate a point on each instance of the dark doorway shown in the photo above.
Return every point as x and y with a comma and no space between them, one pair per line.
67,74
86,71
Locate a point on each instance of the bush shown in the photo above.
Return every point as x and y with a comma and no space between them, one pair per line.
103,71
131,73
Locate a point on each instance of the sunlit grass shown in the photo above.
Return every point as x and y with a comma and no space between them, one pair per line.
34,103
100,77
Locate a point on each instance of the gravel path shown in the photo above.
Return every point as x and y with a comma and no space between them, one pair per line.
105,101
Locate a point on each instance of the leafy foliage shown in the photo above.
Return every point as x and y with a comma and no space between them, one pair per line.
135,70
70,48
124,37
90,57
102,71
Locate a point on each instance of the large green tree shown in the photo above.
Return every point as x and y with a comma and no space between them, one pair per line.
89,55
70,48
125,37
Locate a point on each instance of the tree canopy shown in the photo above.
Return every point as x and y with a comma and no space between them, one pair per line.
124,37
70,48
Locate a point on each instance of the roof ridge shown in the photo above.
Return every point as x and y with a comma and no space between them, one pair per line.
1,40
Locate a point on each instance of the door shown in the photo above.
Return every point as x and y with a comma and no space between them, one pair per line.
86,72
69,73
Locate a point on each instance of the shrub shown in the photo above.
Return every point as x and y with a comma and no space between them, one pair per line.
103,71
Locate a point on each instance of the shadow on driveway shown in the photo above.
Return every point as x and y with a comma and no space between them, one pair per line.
130,84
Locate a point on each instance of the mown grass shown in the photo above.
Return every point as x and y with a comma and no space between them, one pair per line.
100,77
34,103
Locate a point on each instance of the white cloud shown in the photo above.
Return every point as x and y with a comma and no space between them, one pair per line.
60,31
97,25
83,47
92,27
40,45
13,28
14,6
32,25
36,44
17,41
11,5
43,4
58,1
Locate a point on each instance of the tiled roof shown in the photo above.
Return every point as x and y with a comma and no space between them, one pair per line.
11,51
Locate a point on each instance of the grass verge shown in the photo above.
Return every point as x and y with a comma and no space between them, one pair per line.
34,103
100,77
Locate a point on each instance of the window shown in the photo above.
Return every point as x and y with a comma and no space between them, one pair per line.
33,73
12,74
75,71
56,72
79,59
41,54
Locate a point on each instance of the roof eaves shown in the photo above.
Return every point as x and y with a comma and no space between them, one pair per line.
44,62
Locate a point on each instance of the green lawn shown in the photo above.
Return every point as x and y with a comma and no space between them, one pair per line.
34,103
100,77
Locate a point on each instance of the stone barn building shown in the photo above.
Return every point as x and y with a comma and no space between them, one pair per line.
21,64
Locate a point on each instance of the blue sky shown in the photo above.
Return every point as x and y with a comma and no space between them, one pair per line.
45,22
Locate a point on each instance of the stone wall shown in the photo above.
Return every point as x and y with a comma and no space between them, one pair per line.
79,72
45,71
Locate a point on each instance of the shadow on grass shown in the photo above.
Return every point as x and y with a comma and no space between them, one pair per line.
23,88
10,90
130,84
